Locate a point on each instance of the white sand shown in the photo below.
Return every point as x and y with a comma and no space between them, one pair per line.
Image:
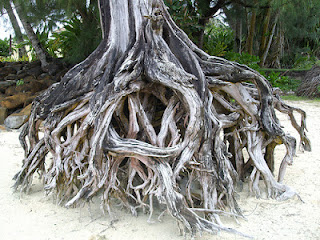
36,216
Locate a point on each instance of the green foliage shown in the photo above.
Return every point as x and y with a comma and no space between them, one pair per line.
244,58
305,61
285,83
275,78
218,38
42,14
44,39
13,59
77,40
81,34
185,16
301,25
20,82
4,47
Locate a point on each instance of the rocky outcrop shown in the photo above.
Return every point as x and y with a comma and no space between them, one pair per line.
20,83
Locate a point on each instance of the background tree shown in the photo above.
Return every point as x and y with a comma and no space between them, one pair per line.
274,27
6,4
300,26
36,44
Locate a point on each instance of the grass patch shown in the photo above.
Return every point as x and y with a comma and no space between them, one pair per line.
298,98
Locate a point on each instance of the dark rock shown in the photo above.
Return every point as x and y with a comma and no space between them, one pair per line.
52,68
32,65
4,85
35,71
28,79
10,77
17,66
22,74
37,86
5,71
47,82
2,96
29,100
33,87
44,76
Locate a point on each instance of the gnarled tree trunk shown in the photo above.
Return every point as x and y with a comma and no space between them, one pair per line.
148,115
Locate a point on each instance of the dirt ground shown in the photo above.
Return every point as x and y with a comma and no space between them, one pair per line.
38,217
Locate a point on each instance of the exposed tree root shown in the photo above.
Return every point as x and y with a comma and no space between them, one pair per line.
150,116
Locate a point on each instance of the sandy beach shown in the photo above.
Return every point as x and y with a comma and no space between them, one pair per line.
38,217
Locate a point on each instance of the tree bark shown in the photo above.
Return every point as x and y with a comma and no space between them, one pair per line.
147,116
15,26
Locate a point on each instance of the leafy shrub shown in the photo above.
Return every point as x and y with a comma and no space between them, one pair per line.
44,39
305,61
218,38
275,78
244,58
4,47
301,58
77,40
283,82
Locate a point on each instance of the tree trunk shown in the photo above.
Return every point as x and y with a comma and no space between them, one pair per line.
251,30
269,41
265,31
143,118
15,26
277,48
238,37
41,53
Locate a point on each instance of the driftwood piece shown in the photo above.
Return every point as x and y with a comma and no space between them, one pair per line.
149,116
